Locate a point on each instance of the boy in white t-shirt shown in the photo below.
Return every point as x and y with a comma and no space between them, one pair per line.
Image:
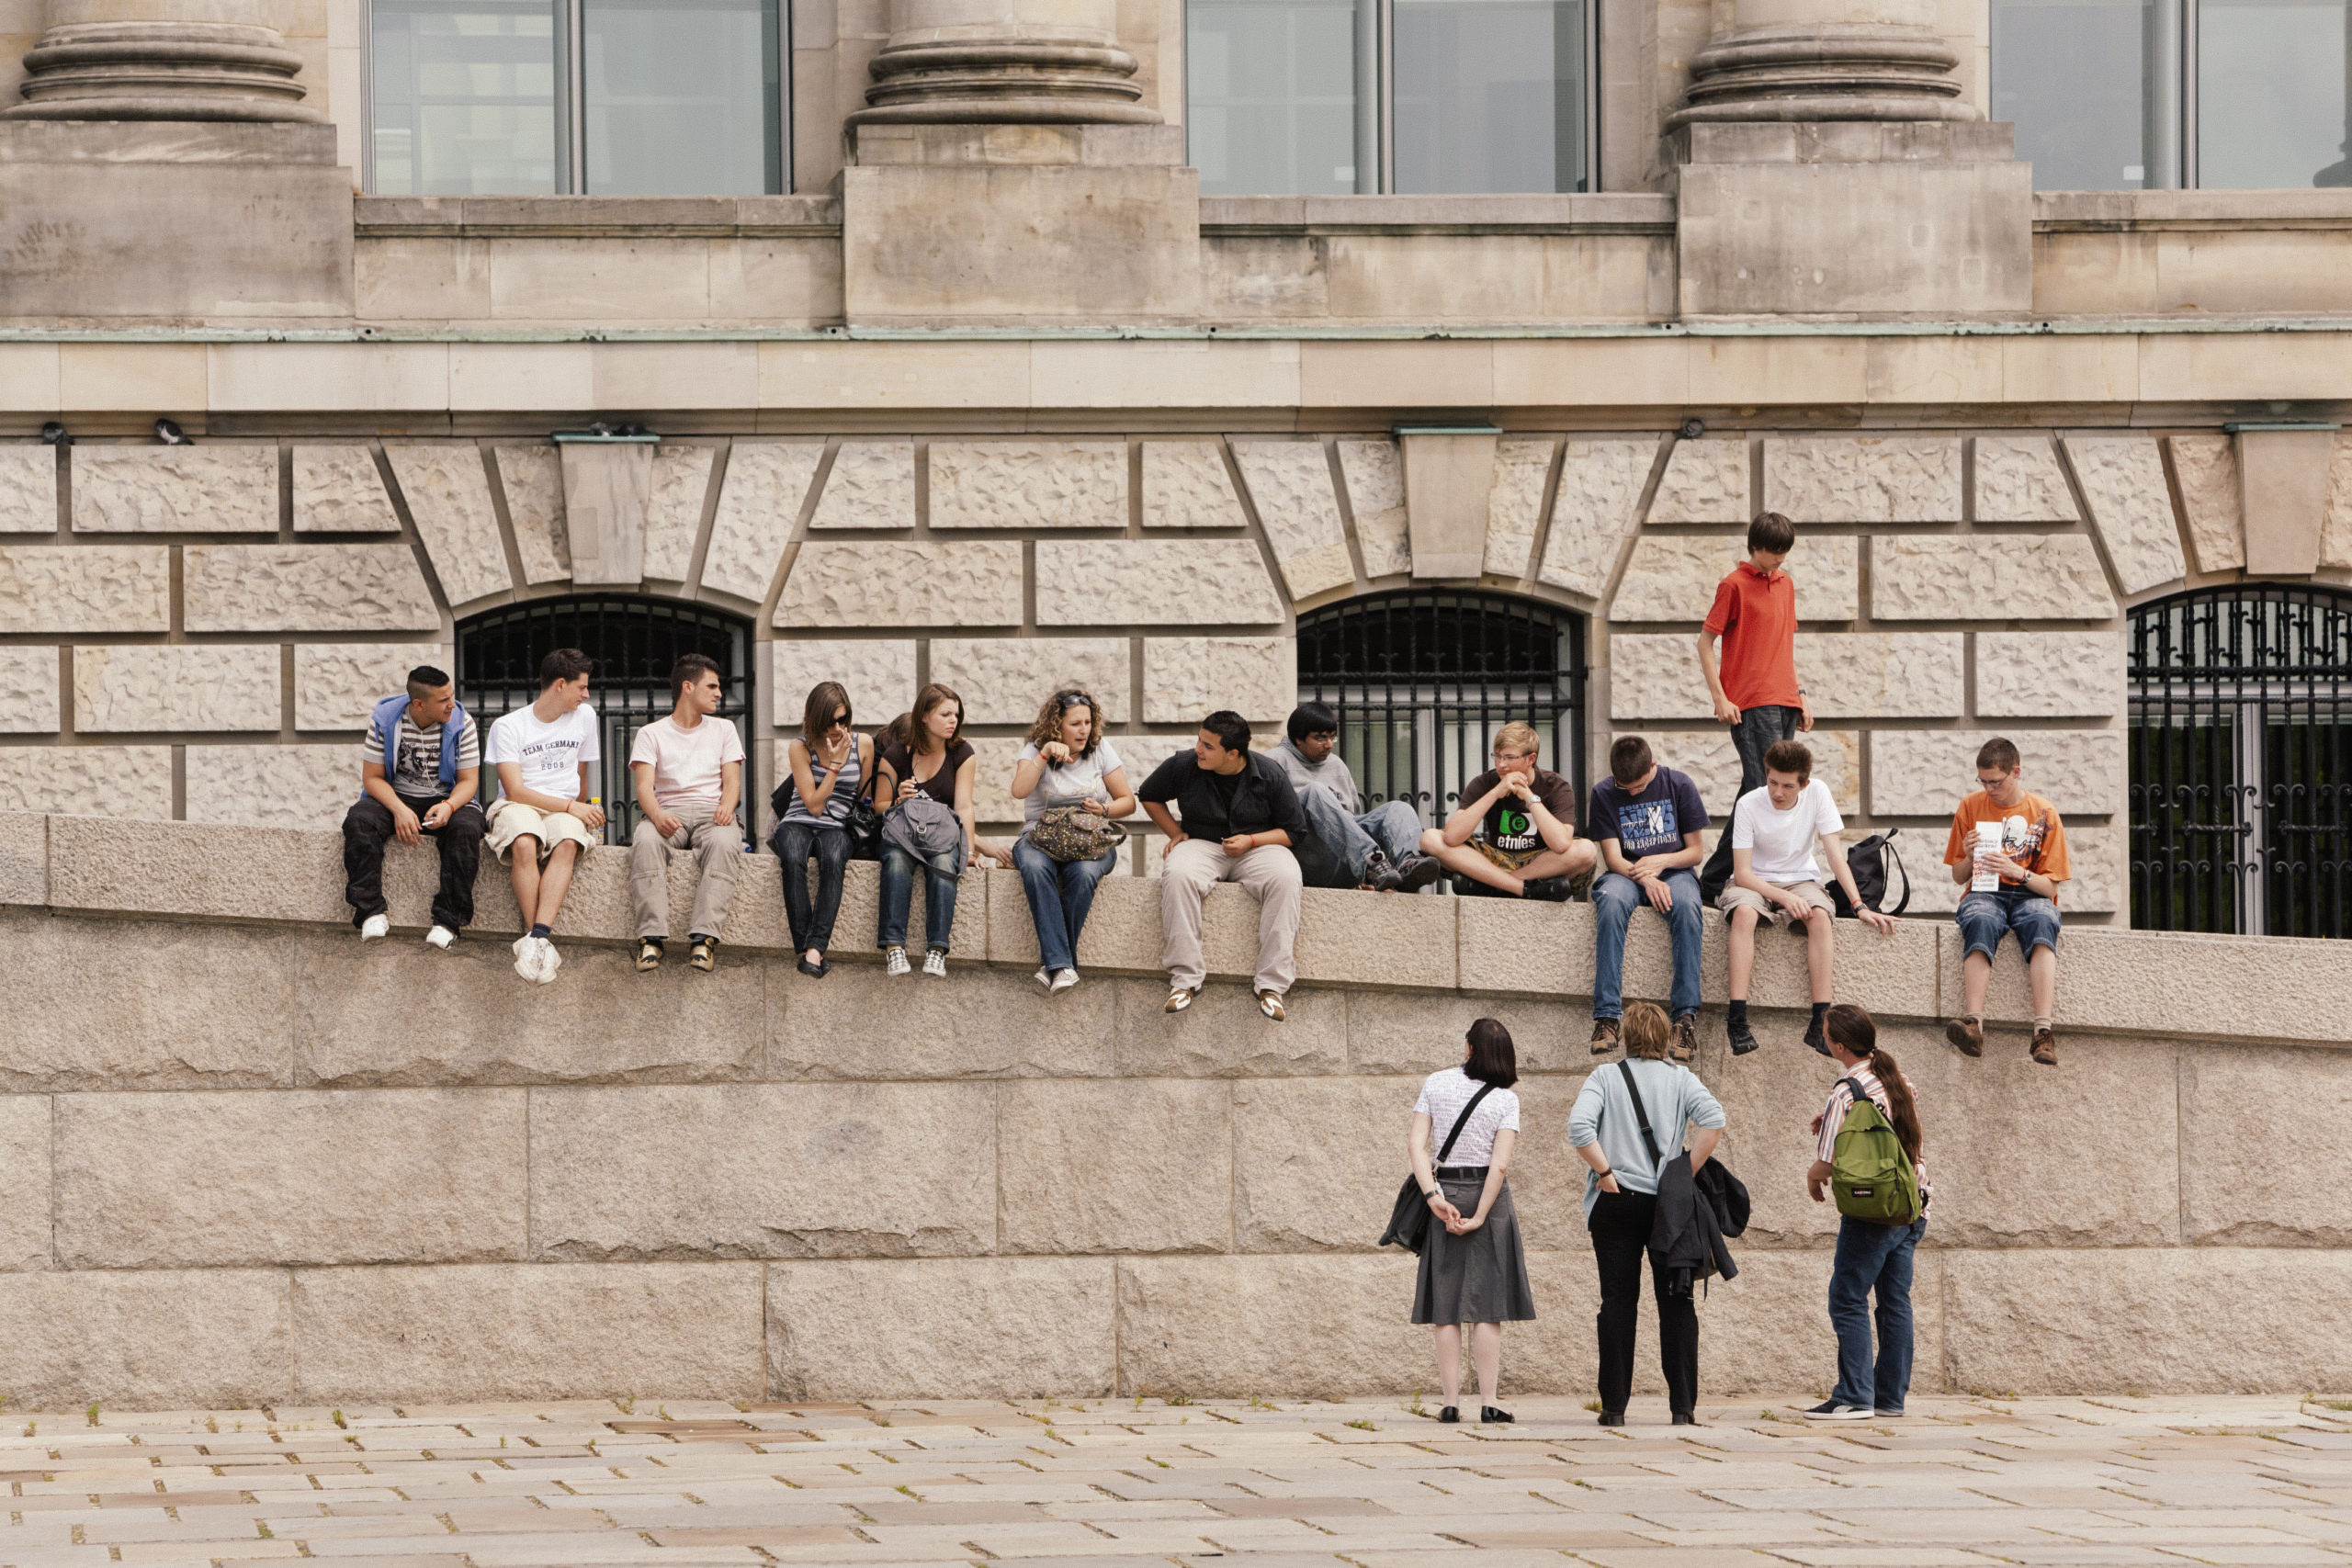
1775,877
688,769
543,818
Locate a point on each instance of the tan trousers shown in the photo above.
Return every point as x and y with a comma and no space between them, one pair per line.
1270,873
718,859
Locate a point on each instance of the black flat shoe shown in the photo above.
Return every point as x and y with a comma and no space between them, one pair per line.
1449,1415
1612,1418
1493,1417
816,971
1685,1418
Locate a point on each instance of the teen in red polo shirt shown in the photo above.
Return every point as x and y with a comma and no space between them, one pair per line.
1755,688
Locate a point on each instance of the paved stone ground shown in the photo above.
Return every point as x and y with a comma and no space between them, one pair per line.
1097,1482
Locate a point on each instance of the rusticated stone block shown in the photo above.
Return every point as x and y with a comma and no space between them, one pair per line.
2095,853
1598,503
1712,762
28,488
1324,1327
935,1329
1924,772
878,674
785,1170
2153,1320
1896,970
1150,582
394,1015
2335,527
338,685
2208,468
673,507
528,1331
1221,1035
1849,674
272,786
1374,474
532,479
2231,1189
127,781
24,858
872,485
988,1023
1989,577
1185,679
211,1181
1290,484
183,687
1123,1166
150,1339
184,868
59,588
220,487
2163,984
759,499
448,490
1673,577
966,584
25,1205
1315,1163
1705,481
1885,478
1028,484
187,1005
29,689
1186,485
2049,674
992,763
1413,1036
305,588
2123,480
1006,680
1344,934
1515,502
1122,929
338,490
2018,480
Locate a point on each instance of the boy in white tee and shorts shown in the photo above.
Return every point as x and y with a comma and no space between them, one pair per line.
543,818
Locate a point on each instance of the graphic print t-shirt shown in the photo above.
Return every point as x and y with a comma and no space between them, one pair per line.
1651,822
2031,834
548,754
1510,825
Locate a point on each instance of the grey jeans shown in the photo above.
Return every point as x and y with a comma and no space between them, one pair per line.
1395,828
719,860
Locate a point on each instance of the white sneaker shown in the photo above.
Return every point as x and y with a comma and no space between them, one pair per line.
549,961
374,926
934,965
894,963
526,956
1064,979
1828,1411
440,937
1044,976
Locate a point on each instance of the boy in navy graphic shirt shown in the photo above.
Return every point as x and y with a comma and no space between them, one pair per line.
1646,818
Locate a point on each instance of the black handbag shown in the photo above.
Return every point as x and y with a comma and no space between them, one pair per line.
865,822
1408,1222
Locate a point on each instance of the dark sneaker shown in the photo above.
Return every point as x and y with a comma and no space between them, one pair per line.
1829,1410
1549,890
1966,1035
1815,1038
1471,887
1743,1039
1378,875
649,954
1685,1044
2044,1049
1888,1415
1495,1417
1419,872
1604,1036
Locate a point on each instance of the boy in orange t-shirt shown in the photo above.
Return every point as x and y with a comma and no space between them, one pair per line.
1755,688
2029,863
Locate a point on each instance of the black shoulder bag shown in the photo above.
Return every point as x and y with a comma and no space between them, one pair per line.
864,821
1641,1114
1408,1224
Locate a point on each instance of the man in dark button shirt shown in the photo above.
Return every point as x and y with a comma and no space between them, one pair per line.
1239,818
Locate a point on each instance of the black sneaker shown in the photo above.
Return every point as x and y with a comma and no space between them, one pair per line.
1548,890
1471,887
1378,875
1743,1039
1419,871
1830,1410
1814,1037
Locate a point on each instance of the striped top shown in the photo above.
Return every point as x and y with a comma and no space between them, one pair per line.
836,804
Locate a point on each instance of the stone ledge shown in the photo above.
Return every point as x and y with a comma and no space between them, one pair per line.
620,218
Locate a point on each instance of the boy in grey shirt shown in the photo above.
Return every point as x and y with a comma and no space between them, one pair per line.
1381,849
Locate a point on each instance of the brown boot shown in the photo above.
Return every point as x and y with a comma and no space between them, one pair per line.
1685,1044
2044,1049
1967,1035
1604,1036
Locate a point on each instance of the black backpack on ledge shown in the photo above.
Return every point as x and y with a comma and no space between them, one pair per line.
1878,872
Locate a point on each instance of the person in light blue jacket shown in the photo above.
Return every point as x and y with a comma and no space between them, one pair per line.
1621,1203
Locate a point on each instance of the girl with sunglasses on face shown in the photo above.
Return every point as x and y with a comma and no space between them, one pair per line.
1068,761
828,763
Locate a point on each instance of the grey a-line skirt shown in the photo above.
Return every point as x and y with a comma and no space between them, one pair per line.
1478,1277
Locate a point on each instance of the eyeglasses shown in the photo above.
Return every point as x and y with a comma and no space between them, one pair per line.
841,721
1502,756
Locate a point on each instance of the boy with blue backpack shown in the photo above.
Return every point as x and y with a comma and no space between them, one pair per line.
422,772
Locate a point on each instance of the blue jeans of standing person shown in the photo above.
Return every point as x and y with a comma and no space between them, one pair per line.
1872,1257
1614,899
1060,895
1753,736
795,843
1395,829
899,895
1982,918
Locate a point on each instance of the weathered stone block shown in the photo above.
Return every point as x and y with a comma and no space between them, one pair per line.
25,1204
447,491
213,1180
1849,674
338,490
532,479
878,674
1924,772
2336,525
1315,1163
766,486
150,1339
1414,1035
1989,577
1126,1166
528,1331
2231,1191
2123,480
764,920
184,868
1150,582
1712,762
991,1022
1185,678
1598,504
1186,485
29,690
971,584
2049,674
1290,485
785,1170
1221,1035
1005,680
220,487
1885,478
2162,983
129,781
1322,1328
2208,469
1027,484
2018,480
59,588
872,485
1374,472
1673,577
28,488
1515,502
336,685
675,506
938,1329
272,786
1705,481
183,687
305,588
24,858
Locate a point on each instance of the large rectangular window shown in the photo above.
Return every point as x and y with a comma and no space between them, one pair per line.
1490,95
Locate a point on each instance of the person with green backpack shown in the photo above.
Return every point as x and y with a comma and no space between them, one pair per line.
1867,1157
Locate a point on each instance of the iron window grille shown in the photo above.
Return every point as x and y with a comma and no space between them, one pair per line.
2241,762
634,642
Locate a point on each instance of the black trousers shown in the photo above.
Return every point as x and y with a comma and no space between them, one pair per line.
1620,1233
368,827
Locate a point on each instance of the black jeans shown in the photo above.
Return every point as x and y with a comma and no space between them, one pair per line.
1753,736
1620,1233
795,842
368,827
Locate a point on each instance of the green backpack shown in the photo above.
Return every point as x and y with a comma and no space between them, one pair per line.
1871,1176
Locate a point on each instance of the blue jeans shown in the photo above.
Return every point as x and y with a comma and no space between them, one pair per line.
1984,916
1060,894
898,893
795,843
1873,1257
1395,829
1614,899
1753,736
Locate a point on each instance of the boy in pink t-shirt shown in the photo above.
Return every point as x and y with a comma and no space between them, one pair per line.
688,769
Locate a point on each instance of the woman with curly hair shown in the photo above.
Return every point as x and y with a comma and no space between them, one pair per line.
1068,761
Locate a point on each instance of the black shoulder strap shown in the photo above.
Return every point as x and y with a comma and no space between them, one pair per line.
1484,1089
1855,1084
1641,1114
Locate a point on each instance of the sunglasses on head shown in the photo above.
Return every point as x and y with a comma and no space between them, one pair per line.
1070,700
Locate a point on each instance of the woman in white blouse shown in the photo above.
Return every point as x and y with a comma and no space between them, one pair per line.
1068,761
1473,1269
